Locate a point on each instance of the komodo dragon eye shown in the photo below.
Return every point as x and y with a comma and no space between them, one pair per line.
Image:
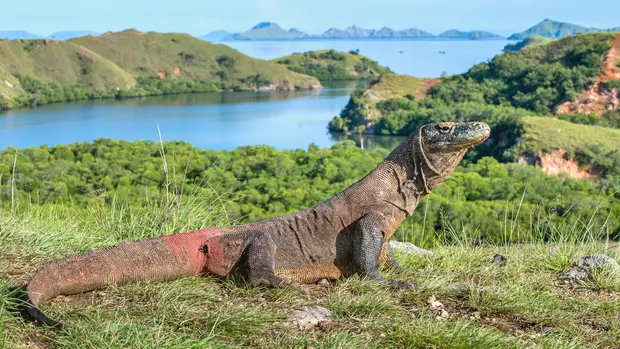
445,127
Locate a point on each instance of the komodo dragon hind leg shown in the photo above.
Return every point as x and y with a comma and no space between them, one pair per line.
260,263
368,247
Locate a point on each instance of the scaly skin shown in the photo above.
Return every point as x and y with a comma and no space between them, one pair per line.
339,237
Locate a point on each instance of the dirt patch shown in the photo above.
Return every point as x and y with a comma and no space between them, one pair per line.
5,96
597,100
555,162
427,84
177,70
162,74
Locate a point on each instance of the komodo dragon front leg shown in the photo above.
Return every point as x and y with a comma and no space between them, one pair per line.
368,245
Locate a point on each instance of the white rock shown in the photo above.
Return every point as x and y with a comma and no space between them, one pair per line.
408,247
308,317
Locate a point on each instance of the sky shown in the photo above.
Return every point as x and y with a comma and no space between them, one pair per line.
198,17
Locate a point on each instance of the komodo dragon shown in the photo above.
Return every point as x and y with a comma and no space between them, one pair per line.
345,235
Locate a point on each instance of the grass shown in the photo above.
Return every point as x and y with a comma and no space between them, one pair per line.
546,134
531,41
514,306
363,104
63,62
395,86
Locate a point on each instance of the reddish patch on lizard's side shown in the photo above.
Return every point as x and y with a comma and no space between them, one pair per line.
210,250
187,248
223,252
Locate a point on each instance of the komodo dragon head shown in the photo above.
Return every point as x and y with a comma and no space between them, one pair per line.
438,148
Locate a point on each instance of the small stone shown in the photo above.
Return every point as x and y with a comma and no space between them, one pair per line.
408,247
475,316
583,267
596,261
400,285
323,282
460,288
308,317
499,259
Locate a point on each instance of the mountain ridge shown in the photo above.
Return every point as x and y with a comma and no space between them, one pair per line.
549,28
273,31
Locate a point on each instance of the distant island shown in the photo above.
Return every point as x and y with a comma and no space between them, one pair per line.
273,31
549,28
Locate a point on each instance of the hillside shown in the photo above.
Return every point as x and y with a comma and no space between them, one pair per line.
362,112
557,146
553,29
330,65
62,62
131,63
603,95
527,42
533,80
181,56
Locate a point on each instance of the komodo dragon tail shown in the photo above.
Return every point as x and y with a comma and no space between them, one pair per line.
159,259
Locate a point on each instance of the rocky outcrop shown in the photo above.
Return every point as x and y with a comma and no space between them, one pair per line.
597,99
556,162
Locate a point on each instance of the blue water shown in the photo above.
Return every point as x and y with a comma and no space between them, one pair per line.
284,120
419,58
213,120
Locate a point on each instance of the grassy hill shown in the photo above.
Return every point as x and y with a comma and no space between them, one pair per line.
548,134
361,114
182,56
330,65
530,41
132,63
66,63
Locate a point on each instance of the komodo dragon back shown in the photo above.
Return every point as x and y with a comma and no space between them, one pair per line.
343,235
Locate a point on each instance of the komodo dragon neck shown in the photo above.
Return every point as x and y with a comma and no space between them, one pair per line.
400,180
